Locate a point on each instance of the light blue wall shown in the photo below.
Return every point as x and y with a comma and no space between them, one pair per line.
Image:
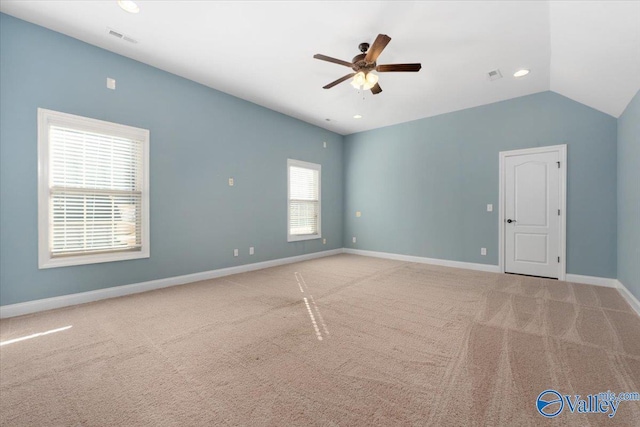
199,138
629,196
423,186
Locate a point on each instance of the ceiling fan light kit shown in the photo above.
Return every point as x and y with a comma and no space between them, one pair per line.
364,64
364,82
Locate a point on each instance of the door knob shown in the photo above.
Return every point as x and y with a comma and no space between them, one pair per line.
511,220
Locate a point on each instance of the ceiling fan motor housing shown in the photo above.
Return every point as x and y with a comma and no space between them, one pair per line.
359,64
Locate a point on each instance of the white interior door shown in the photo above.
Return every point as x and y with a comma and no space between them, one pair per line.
532,214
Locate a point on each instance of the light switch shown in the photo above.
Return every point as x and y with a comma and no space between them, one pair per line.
489,207
358,214
230,182
111,83
324,144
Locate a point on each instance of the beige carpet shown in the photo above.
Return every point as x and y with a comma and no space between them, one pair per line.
348,340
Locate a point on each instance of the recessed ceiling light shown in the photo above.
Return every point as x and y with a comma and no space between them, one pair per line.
357,116
129,6
521,73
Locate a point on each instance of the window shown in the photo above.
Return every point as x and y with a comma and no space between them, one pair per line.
93,191
303,220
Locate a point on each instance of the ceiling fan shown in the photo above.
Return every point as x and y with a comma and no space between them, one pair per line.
365,63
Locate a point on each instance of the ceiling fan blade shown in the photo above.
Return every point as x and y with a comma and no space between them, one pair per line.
376,49
398,67
376,89
334,60
340,80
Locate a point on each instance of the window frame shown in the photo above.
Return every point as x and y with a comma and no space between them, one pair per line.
46,118
312,166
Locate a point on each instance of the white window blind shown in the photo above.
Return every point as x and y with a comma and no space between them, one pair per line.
304,200
95,191
96,194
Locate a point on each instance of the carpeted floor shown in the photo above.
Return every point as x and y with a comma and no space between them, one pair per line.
343,340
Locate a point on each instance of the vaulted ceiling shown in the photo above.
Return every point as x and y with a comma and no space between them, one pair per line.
263,51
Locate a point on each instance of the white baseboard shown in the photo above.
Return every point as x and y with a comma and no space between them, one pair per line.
29,307
575,278
592,280
631,299
410,258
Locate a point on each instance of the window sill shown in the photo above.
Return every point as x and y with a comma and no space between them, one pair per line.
49,262
299,237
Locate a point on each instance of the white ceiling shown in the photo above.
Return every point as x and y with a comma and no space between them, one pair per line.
262,51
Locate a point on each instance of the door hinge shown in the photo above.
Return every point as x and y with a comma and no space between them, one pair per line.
558,259
558,165
558,211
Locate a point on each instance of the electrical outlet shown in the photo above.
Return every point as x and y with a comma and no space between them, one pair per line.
483,251
111,83
230,182
235,252
324,241
489,207
358,214
251,252
353,239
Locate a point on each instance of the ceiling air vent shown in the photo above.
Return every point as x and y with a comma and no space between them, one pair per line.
114,34
121,36
494,75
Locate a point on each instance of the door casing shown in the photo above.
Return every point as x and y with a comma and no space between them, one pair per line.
562,155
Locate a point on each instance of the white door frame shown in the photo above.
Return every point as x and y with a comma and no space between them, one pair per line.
562,155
